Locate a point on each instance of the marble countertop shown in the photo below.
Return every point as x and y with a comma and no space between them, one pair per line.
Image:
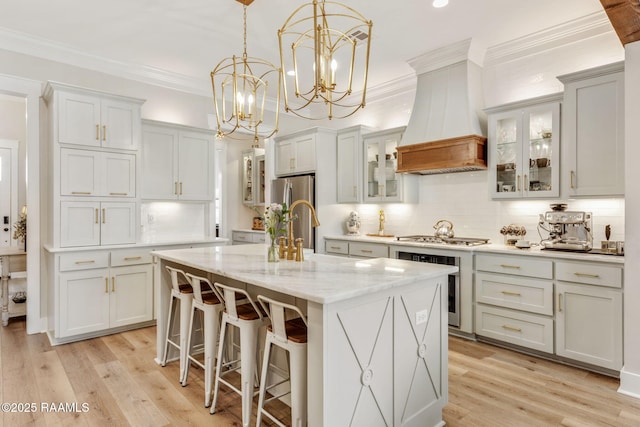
320,278
488,248
155,244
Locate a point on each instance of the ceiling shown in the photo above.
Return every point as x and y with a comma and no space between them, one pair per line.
187,38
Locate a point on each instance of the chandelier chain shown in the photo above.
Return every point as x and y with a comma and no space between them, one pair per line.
244,29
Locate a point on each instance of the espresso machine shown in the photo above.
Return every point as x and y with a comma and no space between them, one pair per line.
568,230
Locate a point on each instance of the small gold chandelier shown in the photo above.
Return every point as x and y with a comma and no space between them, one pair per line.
243,84
330,44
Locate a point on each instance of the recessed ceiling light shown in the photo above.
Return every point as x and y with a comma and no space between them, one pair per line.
440,3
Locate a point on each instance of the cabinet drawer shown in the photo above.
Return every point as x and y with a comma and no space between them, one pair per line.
514,327
84,260
130,257
518,266
240,236
259,237
370,250
592,274
533,295
336,247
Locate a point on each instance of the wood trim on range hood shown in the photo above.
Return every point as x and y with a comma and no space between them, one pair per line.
460,154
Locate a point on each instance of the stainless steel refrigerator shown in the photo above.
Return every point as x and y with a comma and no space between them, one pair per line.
288,190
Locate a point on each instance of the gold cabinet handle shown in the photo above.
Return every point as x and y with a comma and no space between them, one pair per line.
515,294
132,258
366,251
526,183
86,261
334,247
97,132
81,192
104,132
292,163
113,283
509,266
97,216
593,276
559,303
175,188
118,194
104,216
106,285
511,328
573,176
181,188
518,183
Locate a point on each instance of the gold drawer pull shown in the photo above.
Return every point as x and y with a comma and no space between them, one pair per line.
104,132
334,247
594,276
106,285
515,294
509,266
97,132
366,251
81,192
86,261
180,188
559,303
511,328
132,258
96,215
104,216
118,194
573,177
113,283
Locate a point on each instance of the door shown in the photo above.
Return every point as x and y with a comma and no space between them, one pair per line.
131,298
79,224
118,223
195,170
159,163
79,172
8,190
84,302
120,124
119,174
298,188
79,119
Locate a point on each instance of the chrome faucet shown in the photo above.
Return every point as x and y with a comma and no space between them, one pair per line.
381,223
291,249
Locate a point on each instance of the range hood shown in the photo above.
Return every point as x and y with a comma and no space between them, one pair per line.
444,133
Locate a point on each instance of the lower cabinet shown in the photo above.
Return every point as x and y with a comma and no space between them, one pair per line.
574,313
101,290
239,237
356,249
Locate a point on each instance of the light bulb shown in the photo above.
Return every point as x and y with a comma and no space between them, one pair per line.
440,3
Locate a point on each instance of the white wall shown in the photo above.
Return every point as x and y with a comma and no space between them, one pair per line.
630,375
13,126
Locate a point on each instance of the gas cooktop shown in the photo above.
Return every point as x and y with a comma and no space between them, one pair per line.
462,241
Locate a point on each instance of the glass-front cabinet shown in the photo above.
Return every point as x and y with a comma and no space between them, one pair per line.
253,180
383,184
524,144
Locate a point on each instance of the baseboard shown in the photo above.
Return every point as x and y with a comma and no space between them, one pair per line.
629,383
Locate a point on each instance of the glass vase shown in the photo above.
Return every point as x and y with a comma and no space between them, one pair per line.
272,250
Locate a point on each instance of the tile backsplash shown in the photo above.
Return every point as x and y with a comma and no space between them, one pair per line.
463,199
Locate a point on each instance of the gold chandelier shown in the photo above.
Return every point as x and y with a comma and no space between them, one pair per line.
243,84
328,60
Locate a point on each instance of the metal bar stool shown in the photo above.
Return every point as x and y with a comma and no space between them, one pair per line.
182,291
248,317
205,299
290,335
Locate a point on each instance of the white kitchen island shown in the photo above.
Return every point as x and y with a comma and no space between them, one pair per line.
377,337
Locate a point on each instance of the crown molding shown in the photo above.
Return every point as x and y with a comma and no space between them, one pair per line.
592,25
441,57
42,48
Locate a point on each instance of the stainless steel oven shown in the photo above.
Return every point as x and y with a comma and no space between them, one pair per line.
453,282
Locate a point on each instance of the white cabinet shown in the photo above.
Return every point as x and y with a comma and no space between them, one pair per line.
383,184
514,300
253,177
524,144
593,131
356,249
295,154
349,164
572,309
97,223
589,315
95,294
177,162
87,118
97,173
239,237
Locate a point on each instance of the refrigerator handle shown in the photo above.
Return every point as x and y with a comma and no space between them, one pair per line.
288,193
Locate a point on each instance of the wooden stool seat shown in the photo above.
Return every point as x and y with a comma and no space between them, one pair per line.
248,312
210,298
296,330
185,288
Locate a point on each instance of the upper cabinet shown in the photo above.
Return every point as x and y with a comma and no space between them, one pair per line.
524,149
593,131
383,184
349,164
253,178
97,120
295,154
177,162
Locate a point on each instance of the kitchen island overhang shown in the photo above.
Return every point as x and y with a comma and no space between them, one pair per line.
377,337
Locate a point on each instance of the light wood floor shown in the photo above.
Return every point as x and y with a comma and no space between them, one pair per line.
118,379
